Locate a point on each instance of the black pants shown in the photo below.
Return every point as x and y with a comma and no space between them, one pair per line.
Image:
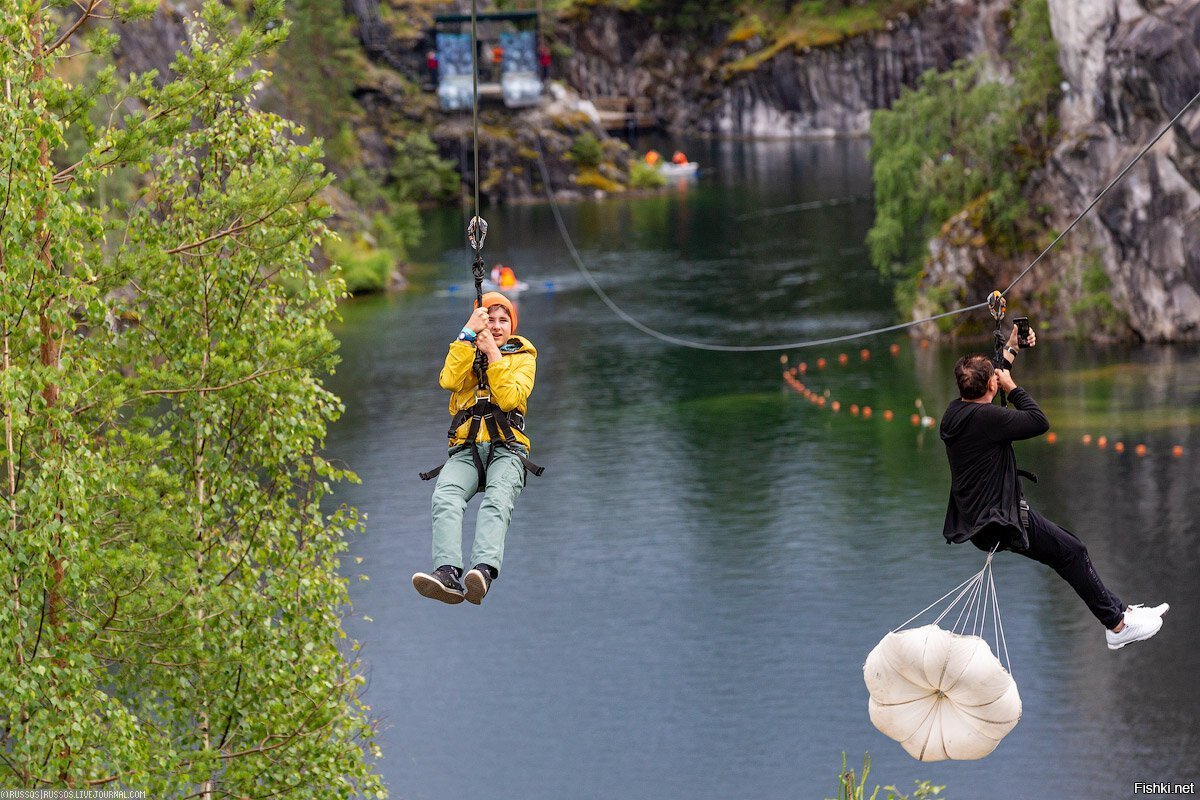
1062,551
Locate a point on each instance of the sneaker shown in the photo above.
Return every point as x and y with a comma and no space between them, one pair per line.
478,581
1140,623
442,585
1157,610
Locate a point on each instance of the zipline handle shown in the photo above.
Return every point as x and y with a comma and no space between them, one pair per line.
996,306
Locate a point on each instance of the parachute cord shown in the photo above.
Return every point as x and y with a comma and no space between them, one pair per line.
998,626
1111,184
940,599
675,340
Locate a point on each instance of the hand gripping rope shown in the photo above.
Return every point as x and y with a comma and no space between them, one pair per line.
996,306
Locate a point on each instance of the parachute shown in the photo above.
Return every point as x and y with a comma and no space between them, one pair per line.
943,694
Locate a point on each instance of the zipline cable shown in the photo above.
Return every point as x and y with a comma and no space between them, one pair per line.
1111,184
675,340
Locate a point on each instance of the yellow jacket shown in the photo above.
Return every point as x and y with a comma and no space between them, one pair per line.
510,380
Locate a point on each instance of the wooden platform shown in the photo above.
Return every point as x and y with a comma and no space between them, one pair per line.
625,113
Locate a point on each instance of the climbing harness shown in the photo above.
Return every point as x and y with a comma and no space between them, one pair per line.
500,424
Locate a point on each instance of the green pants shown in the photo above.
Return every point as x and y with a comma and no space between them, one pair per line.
457,484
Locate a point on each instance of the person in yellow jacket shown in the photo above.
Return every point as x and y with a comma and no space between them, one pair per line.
511,362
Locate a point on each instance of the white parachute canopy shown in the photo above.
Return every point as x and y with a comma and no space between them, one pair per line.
941,693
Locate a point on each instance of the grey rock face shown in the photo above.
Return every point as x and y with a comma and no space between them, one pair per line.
1148,227
1129,67
822,91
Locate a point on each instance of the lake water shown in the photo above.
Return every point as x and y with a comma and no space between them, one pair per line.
690,591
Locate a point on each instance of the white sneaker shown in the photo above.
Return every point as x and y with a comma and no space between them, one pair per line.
1140,623
1157,610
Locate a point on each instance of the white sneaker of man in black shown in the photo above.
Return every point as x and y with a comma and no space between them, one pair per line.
1138,623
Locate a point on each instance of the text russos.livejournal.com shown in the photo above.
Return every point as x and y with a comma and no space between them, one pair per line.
72,794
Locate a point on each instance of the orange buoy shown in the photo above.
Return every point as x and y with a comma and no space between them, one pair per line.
1087,438
843,358
1051,437
866,411
888,415
1102,442
854,409
803,367
835,405
1177,451
1119,447
864,354
821,402
1140,449
894,349
924,344
820,363
916,420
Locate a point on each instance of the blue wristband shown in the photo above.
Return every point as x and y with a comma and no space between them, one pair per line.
467,335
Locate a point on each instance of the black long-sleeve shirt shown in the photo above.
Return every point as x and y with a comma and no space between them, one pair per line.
984,488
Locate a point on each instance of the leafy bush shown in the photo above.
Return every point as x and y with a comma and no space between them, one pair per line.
364,267
586,150
644,176
418,173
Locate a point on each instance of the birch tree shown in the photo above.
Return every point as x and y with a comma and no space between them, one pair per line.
170,615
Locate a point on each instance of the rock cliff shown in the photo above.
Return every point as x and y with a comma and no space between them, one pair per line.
1131,268
817,91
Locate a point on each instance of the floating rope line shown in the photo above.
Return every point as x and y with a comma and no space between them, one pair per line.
809,206
825,399
681,342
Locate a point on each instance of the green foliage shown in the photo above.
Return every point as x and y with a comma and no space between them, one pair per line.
961,140
419,174
644,176
587,150
172,605
317,65
364,266
1095,307
852,787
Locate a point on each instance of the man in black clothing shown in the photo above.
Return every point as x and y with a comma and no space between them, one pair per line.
985,505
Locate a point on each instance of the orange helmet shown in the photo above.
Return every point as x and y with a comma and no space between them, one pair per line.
496,299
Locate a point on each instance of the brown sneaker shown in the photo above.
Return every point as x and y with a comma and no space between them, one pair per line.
478,581
442,585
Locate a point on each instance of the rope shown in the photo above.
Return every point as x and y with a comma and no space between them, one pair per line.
477,227
675,340
681,342
475,104
809,206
